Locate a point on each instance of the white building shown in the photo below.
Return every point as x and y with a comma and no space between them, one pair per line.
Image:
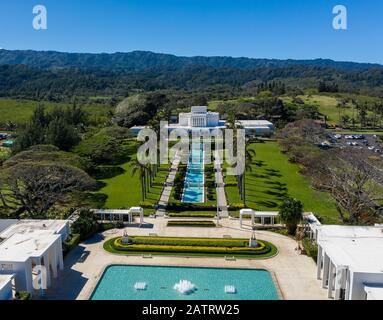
350,261
6,292
28,247
261,128
199,119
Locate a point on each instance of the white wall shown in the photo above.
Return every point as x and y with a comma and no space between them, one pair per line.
359,280
64,232
23,274
6,291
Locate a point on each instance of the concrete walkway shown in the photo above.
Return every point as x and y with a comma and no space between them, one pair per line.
220,189
294,274
167,190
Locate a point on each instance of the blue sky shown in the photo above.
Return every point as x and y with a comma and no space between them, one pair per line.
296,29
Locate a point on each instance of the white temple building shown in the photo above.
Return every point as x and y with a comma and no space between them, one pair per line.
30,247
199,118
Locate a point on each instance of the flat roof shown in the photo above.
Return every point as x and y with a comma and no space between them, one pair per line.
357,247
30,226
255,123
260,214
20,247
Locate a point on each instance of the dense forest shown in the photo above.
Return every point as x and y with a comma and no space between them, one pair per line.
24,81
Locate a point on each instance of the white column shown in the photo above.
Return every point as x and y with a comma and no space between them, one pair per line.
47,269
59,253
348,285
240,220
319,262
330,280
54,263
252,219
326,265
28,277
339,280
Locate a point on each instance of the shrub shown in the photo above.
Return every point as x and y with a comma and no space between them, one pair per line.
218,242
86,225
22,295
195,214
183,247
310,248
112,225
69,244
189,223
146,204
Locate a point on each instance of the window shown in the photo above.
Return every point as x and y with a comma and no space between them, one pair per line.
6,267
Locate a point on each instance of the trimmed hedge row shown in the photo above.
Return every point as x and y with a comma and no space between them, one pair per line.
70,244
196,214
177,241
191,224
262,249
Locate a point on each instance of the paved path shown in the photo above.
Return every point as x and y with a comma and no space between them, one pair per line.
295,274
167,190
221,195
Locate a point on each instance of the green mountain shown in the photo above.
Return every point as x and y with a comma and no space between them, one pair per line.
142,60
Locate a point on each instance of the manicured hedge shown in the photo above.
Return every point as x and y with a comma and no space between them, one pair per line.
189,223
214,242
195,214
174,246
72,242
262,249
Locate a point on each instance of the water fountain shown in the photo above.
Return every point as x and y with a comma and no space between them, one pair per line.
185,287
140,285
230,289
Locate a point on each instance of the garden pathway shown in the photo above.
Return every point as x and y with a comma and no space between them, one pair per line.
162,204
221,195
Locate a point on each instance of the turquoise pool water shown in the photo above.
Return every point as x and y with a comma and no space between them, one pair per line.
117,283
194,180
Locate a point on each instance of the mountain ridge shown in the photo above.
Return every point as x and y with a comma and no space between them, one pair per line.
142,60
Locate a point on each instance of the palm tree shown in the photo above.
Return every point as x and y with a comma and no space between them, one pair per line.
142,169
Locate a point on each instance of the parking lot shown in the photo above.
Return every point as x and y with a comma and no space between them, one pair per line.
370,143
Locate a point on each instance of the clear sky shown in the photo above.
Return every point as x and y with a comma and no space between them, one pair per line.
297,29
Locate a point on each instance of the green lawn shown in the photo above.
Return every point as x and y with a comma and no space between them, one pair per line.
273,178
20,111
124,190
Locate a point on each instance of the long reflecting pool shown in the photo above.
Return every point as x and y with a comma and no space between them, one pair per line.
121,282
194,179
